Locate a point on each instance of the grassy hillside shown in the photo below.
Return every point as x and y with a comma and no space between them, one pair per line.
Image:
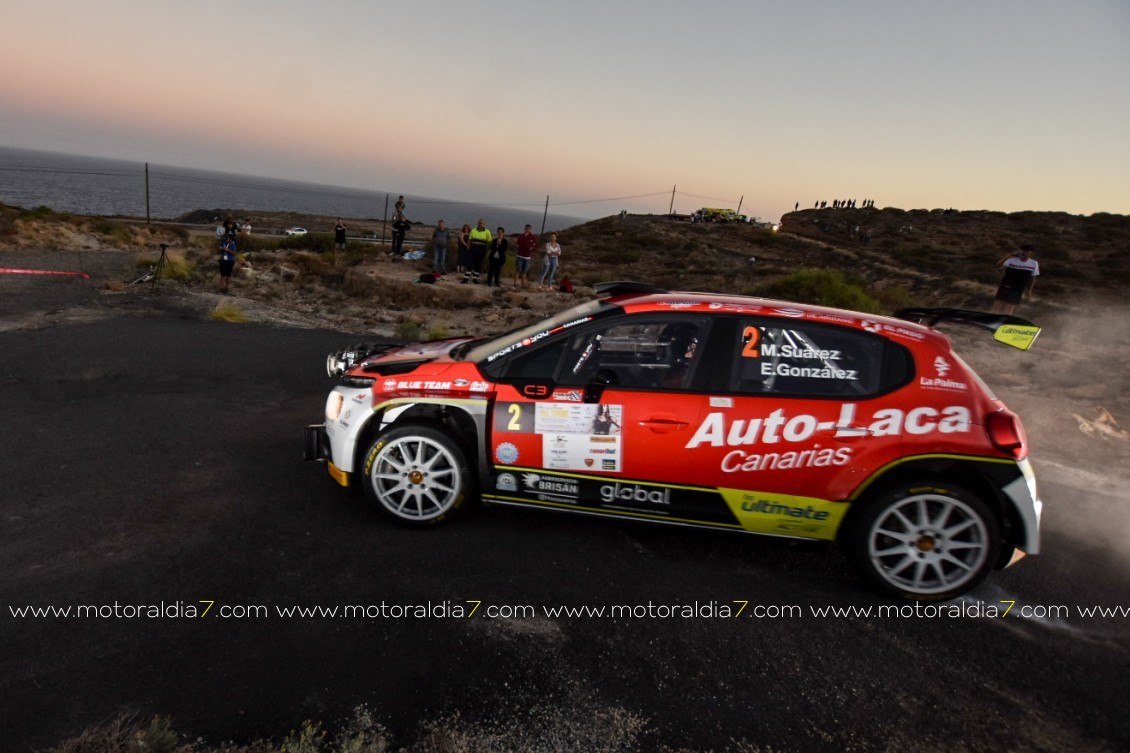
873,260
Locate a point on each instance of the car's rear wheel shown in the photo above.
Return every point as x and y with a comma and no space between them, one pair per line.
415,474
929,541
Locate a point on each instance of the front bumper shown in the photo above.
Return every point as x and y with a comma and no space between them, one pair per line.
316,446
316,443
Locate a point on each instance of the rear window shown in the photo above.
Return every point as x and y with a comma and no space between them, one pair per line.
815,360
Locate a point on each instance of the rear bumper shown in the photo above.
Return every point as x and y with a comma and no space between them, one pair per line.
1029,507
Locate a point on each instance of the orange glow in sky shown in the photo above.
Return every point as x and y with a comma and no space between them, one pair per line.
968,105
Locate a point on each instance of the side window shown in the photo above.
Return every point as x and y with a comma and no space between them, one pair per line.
643,352
786,358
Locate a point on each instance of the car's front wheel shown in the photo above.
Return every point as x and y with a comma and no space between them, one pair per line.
929,541
415,474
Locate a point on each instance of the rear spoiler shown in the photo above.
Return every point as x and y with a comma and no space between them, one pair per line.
1010,330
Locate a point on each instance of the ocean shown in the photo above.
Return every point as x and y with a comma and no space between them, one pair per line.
105,187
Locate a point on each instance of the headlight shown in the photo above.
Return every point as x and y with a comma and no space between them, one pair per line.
333,406
335,365
343,360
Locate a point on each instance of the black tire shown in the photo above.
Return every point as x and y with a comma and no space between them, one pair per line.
415,474
929,541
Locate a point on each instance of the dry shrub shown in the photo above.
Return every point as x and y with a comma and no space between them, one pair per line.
360,282
226,311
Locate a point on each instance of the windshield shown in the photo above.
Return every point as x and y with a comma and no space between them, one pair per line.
494,347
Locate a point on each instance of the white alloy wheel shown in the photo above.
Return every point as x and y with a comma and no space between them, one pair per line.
416,474
926,543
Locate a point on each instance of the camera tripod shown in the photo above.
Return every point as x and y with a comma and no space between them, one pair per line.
155,270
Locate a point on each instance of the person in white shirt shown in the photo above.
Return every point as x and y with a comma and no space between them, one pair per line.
1020,273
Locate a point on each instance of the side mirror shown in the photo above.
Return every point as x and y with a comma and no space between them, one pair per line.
596,385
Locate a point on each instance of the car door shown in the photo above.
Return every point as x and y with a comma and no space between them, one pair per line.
605,427
791,429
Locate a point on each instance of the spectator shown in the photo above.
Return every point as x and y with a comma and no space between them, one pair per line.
464,252
440,240
497,258
549,266
480,239
227,263
339,235
400,227
527,242
1020,273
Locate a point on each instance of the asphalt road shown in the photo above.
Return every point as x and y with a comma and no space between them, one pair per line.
157,459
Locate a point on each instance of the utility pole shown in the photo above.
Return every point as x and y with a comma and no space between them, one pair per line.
384,221
740,203
146,193
671,209
544,215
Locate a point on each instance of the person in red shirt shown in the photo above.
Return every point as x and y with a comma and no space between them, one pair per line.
527,242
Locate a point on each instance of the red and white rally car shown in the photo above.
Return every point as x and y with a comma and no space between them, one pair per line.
698,409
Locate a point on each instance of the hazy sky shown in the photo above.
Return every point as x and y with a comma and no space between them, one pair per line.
972,104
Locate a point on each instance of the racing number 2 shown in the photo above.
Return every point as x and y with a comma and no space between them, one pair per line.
751,336
514,417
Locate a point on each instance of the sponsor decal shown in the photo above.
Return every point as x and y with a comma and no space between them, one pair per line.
389,385
1018,336
786,514
721,402
554,488
360,397
569,396
506,453
878,328
678,304
635,493
528,341
942,367
461,383
576,435
506,482
737,308
834,318
719,430
740,461
420,384
792,313
942,384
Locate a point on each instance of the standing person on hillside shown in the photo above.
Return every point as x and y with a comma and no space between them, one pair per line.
527,242
339,235
440,239
480,244
497,258
398,209
549,265
464,257
400,227
1020,273
227,263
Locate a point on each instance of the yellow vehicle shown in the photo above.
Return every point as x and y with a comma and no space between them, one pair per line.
713,214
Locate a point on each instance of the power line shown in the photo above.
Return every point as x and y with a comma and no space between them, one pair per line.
359,195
